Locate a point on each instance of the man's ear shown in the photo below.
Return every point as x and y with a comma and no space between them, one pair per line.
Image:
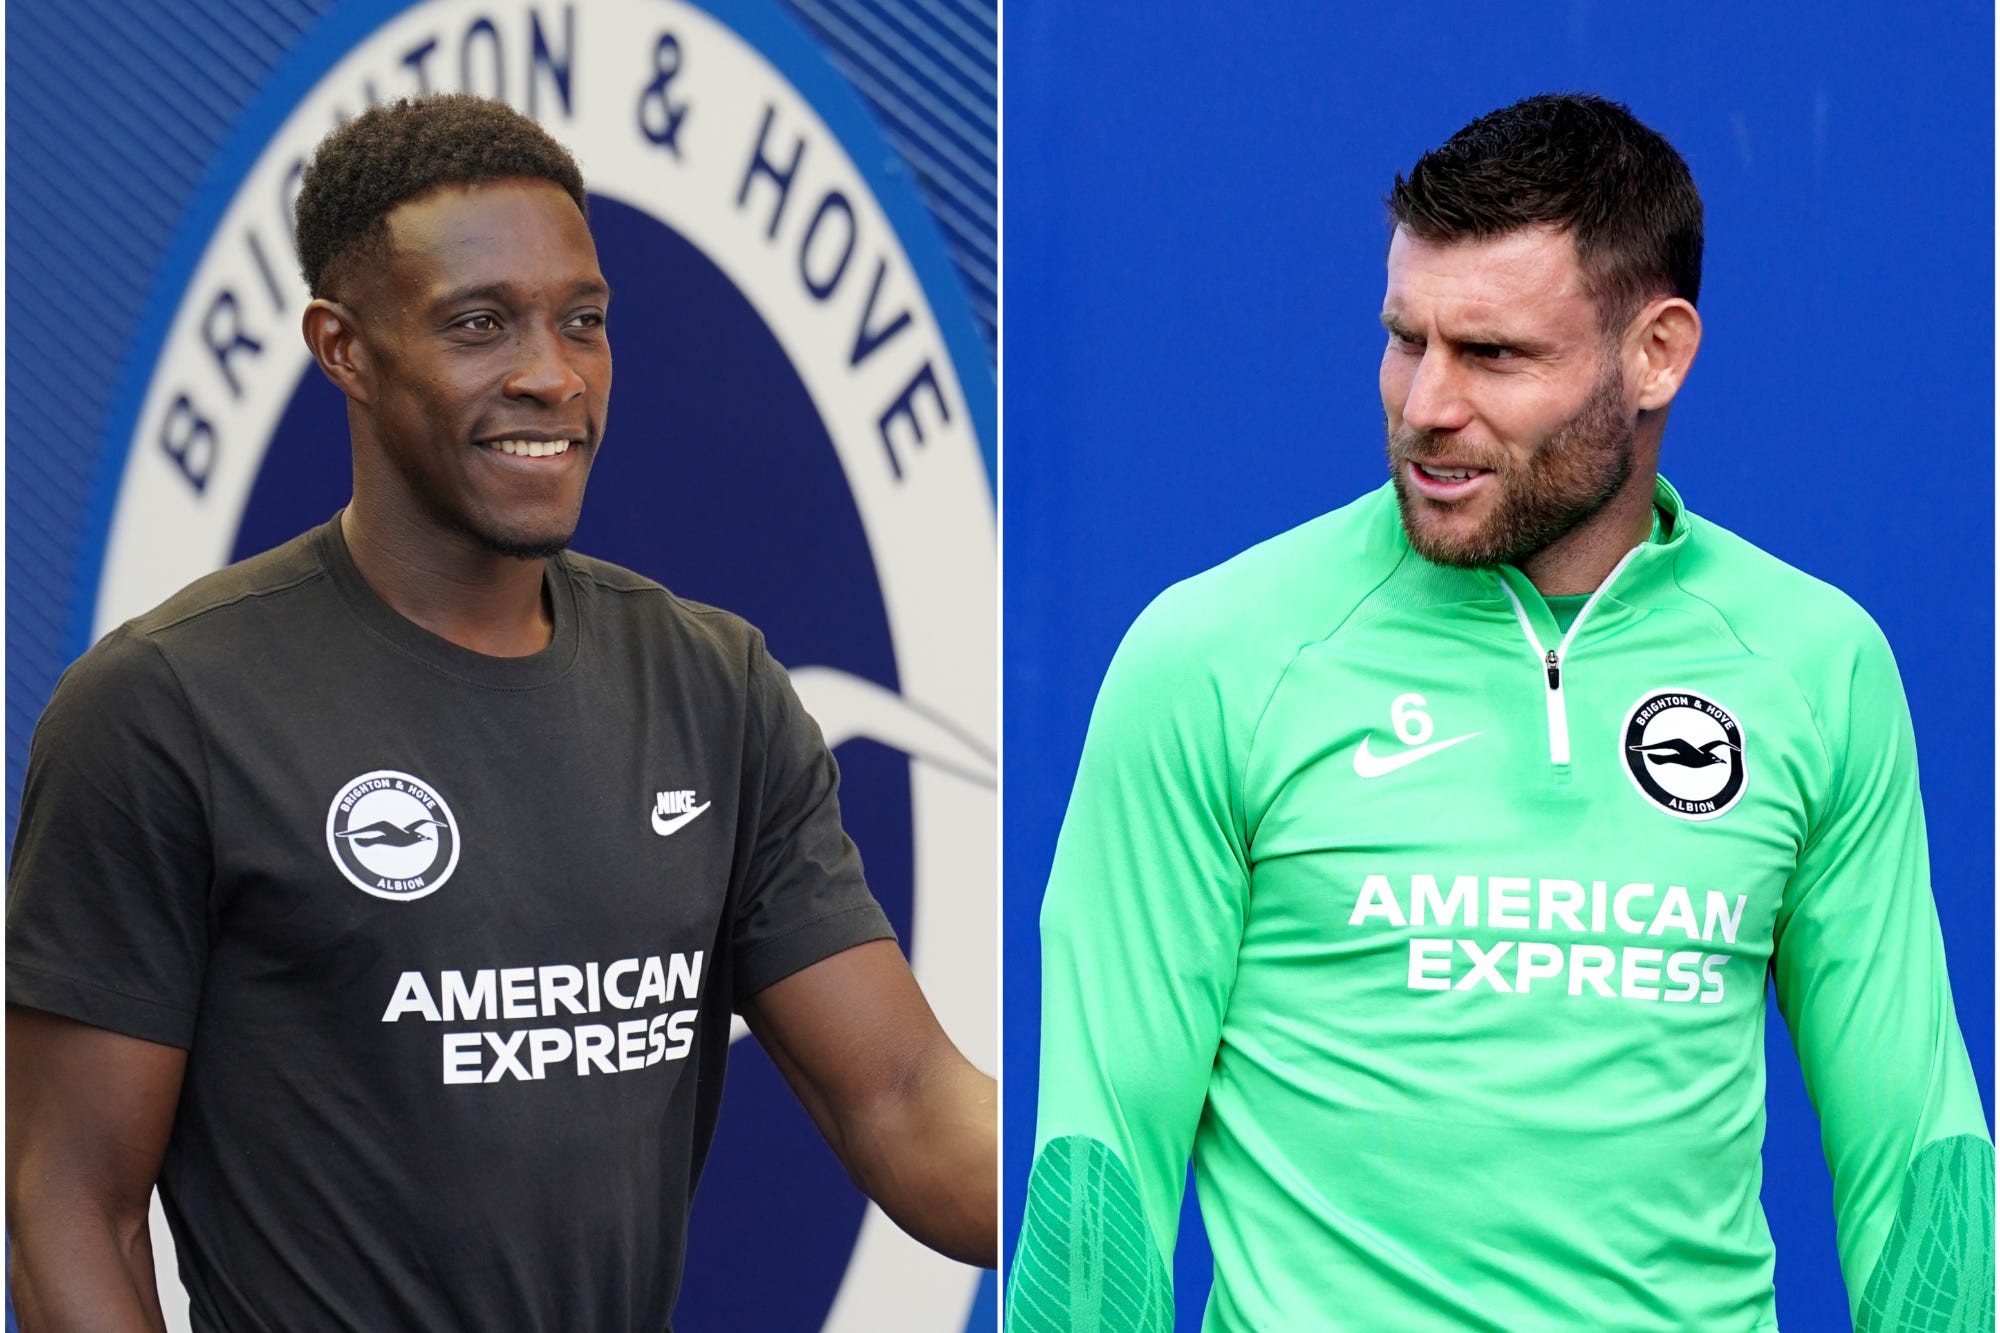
1667,335
333,335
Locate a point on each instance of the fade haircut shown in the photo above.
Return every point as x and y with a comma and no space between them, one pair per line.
1580,164
389,155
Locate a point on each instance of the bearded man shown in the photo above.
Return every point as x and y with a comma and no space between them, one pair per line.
1425,863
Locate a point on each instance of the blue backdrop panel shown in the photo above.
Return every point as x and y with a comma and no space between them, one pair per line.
1194,258
132,129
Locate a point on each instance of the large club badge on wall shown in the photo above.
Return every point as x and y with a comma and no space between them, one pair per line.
802,415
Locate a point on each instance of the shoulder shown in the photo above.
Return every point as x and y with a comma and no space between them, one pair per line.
1247,618
624,603
1775,610
214,601
130,667
1197,669
1831,650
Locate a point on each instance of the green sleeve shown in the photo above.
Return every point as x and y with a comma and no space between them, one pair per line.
1860,976
1140,928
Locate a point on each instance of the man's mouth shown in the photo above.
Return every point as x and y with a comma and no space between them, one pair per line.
1446,483
528,448
1437,472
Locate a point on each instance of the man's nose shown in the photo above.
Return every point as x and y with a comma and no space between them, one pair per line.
1436,400
546,370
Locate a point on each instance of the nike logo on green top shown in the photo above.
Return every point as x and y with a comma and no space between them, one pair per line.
1375,765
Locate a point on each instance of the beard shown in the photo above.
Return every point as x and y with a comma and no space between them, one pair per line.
1565,483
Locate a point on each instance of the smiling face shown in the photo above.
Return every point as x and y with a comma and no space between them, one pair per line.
1508,416
482,373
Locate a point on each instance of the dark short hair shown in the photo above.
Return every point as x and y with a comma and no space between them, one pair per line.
1581,164
391,154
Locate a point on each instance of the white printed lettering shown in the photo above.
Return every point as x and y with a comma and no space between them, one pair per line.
517,992
506,1050
548,1046
1675,910
482,1000
1719,915
1681,972
1711,975
1624,916
1561,898
1430,964
1506,903
1424,894
461,1057
560,984
1483,965
1592,963
593,1047
680,1027
683,976
1376,899
1536,958
652,983
1639,978
623,967
632,1044
412,995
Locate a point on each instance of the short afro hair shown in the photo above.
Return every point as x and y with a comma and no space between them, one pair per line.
1581,164
389,155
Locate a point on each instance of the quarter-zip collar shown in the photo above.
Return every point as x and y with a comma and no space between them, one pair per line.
1643,568
1646,563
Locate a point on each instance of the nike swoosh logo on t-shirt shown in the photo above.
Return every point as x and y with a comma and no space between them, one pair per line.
663,826
1374,766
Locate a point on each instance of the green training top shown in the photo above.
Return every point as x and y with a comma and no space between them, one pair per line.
1438,936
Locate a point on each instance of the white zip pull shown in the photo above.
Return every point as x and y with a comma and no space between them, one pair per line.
1558,715
1552,658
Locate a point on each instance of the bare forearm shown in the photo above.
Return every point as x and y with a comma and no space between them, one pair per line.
89,1112
931,1161
83,1275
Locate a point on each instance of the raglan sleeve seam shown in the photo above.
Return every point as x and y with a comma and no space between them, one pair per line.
1242,783
1834,758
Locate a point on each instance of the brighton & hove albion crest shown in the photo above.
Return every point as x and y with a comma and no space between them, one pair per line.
1684,753
392,835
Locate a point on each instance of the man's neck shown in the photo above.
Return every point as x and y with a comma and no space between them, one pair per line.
1580,560
452,586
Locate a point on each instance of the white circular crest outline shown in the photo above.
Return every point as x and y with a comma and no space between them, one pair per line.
402,784
1629,768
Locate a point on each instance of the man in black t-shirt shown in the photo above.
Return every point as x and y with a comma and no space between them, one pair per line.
384,898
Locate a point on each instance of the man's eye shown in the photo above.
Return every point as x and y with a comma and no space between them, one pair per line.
1409,342
479,324
587,319
1490,351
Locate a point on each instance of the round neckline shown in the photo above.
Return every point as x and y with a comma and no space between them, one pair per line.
440,654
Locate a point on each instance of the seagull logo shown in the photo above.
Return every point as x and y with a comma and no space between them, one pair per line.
1678,751
382,833
392,835
1684,754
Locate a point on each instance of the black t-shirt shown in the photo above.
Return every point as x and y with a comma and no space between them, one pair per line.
452,941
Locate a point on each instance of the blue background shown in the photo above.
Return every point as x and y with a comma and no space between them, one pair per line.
1194,247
